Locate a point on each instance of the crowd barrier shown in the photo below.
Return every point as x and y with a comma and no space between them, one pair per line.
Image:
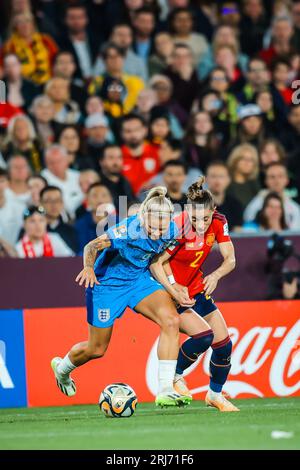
265,359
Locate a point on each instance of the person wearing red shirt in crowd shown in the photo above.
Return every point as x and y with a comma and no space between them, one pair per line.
281,42
140,159
179,268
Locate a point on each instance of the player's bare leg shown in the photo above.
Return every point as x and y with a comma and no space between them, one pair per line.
219,363
80,353
159,308
200,339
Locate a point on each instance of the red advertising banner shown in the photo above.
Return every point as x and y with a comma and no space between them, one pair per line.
265,359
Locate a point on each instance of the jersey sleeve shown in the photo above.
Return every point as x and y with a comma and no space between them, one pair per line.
222,230
118,234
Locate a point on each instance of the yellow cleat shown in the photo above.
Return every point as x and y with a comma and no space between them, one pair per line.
181,387
219,401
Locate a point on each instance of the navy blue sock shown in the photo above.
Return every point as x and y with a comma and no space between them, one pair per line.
192,348
220,364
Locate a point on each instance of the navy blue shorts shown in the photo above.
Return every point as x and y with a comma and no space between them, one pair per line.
203,306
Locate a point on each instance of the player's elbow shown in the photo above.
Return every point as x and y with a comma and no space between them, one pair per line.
232,262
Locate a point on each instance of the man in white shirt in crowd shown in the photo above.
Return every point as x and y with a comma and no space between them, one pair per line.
58,173
276,180
11,212
36,242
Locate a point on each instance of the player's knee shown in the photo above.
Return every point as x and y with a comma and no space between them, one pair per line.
170,321
204,339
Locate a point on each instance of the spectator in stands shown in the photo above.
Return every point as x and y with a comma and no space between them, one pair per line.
281,40
69,138
219,82
36,242
11,212
19,91
159,127
36,183
174,175
58,173
98,135
218,181
280,79
18,173
253,25
296,22
226,56
276,181
42,112
147,99
21,139
86,179
35,50
143,23
183,76
270,151
100,213
122,36
224,35
251,128
258,79
78,40
111,164
65,67
229,13
202,143
182,30
162,55
66,110
94,105
51,199
141,159
163,88
118,90
271,216
243,165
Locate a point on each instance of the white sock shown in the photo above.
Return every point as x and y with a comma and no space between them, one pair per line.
166,374
213,394
65,367
178,376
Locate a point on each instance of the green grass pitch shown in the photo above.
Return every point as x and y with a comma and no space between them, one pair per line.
195,427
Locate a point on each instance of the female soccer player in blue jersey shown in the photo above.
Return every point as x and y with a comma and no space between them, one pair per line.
120,278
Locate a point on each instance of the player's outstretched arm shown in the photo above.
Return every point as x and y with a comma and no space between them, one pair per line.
87,275
227,252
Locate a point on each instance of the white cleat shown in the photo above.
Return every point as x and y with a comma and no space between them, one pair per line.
181,387
65,384
219,401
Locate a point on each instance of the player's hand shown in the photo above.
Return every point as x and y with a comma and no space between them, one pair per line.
210,283
182,296
87,277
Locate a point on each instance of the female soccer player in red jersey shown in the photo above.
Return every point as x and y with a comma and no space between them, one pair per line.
179,267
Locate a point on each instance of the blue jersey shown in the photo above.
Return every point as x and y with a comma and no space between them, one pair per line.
131,251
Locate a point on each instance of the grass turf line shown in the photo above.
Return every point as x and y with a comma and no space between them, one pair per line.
195,427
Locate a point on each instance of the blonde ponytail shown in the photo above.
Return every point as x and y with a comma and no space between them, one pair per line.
156,202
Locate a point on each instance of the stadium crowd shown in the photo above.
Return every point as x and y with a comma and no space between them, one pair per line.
108,98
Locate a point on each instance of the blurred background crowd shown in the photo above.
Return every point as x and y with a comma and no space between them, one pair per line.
108,98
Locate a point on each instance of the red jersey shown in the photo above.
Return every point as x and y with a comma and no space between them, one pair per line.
138,170
192,250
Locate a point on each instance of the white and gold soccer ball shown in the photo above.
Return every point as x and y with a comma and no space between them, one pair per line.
118,400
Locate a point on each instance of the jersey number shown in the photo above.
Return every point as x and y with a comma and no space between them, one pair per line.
195,263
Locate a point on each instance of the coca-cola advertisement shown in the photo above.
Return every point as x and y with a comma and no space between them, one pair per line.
265,357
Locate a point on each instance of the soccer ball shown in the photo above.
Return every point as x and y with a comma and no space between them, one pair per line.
118,401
